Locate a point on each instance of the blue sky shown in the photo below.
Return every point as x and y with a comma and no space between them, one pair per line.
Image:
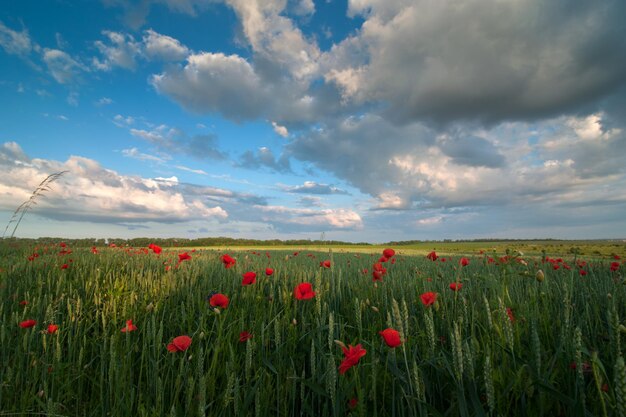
366,120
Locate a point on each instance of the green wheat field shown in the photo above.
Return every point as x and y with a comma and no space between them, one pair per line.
529,331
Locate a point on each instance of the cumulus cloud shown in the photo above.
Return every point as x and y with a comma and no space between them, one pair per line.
90,192
310,219
176,141
280,130
312,187
63,68
516,60
217,83
264,157
120,50
419,167
162,47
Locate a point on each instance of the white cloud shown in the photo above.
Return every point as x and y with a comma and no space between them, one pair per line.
136,154
121,51
63,68
90,192
311,218
220,83
13,42
162,47
280,130
104,101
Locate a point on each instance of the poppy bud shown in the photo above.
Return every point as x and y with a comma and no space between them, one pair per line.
40,393
201,335
294,322
216,310
375,309
539,276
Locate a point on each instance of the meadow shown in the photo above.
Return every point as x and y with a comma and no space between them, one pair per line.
480,331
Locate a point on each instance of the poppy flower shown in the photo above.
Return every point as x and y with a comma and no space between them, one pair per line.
614,266
432,256
353,403
269,271
62,244
389,253
352,355
219,300
325,264
183,257
52,328
249,278
582,272
179,344
228,261
509,312
304,291
383,259
428,298
65,266
130,327
464,262
23,303
377,276
244,336
456,286
94,250
391,337
27,323
156,249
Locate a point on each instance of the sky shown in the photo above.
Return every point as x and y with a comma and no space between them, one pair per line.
358,120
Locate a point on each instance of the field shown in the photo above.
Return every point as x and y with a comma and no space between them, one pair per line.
523,334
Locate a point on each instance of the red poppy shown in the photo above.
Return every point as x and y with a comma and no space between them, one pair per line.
249,278
509,312
614,266
456,286
269,271
304,291
464,262
219,300
325,264
94,250
392,337
27,323
130,327
179,344
65,266
183,257
383,259
377,276
428,298
23,303
228,261
389,253
352,355
582,272
52,328
243,336
616,257
62,244
156,249
432,256
353,403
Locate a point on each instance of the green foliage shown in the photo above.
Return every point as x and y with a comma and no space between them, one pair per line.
505,344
